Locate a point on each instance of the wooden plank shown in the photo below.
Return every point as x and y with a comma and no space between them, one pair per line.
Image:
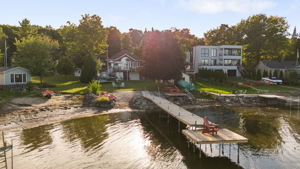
174,110
223,136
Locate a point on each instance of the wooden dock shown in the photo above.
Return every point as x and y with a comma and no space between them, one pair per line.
223,136
174,110
191,120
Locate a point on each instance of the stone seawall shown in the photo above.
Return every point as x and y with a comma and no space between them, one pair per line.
251,100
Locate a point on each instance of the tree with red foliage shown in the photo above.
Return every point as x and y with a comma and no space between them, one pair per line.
163,59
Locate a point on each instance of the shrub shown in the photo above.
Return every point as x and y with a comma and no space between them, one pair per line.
275,73
102,99
265,74
94,87
292,78
65,66
89,69
281,75
258,74
216,75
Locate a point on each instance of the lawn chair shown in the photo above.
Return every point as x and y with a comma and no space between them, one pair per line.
209,127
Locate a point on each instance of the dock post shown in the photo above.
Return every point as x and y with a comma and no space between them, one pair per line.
219,149
210,149
4,152
168,119
205,148
12,155
199,150
238,153
222,149
178,126
194,147
229,150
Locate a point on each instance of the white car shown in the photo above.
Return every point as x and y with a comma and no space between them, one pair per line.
272,80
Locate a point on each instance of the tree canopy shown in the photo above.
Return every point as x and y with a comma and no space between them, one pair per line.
163,59
34,53
113,41
262,37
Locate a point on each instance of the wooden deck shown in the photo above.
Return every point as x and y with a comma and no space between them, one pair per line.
190,119
223,136
174,110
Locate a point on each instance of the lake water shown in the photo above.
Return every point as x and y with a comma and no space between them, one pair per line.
143,140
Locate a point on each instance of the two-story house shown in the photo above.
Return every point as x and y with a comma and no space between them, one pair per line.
125,66
227,58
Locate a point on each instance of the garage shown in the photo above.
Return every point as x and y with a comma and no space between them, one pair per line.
231,73
134,76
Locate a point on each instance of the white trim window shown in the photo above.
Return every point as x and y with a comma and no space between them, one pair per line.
204,52
227,62
204,62
18,78
214,52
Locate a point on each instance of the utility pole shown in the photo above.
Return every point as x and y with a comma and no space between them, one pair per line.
5,54
297,58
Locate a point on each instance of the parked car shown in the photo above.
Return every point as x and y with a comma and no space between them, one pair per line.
272,80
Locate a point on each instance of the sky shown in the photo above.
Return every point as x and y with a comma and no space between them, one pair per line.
197,15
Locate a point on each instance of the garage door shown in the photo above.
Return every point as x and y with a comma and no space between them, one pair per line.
231,73
134,76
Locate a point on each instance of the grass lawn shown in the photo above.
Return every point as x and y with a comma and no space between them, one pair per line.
263,86
63,83
72,85
220,88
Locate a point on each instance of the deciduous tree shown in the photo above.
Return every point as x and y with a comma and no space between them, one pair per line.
162,56
113,41
34,53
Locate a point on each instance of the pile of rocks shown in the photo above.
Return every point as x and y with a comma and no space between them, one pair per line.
90,101
141,103
181,100
241,100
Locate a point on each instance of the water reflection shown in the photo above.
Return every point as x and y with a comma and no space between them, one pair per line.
90,131
36,138
142,140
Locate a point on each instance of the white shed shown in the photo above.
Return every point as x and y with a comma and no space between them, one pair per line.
14,75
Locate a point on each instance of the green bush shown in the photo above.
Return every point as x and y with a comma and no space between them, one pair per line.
265,74
292,78
275,73
258,74
215,75
65,66
94,87
89,69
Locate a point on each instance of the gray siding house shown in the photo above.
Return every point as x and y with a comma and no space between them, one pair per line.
271,66
14,76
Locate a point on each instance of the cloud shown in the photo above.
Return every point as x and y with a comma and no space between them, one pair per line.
219,6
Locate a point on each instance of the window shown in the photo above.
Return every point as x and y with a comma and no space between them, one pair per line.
204,62
213,62
18,78
204,52
12,78
213,52
24,78
227,62
232,52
